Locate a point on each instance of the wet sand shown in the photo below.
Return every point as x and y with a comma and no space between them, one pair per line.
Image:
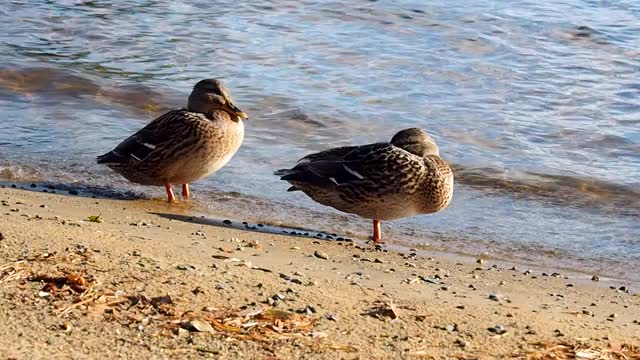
147,281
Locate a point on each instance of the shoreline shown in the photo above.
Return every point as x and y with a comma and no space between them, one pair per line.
146,280
541,263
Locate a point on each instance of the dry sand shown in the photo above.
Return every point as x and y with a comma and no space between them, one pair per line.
151,282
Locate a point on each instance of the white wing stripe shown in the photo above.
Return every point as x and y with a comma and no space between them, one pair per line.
353,172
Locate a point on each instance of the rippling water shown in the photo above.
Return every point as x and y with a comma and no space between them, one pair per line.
537,104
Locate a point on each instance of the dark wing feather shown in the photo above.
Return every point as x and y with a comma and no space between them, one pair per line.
335,166
139,145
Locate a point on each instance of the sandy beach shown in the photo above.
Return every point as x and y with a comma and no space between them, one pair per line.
147,280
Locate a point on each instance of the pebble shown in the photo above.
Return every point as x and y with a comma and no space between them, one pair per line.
220,286
613,316
498,329
331,317
321,255
226,222
307,310
185,267
588,312
199,325
496,297
480,261
135,253
595,278
1,237
198,290
451,327
461,343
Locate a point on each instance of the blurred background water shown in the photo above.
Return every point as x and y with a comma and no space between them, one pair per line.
535,103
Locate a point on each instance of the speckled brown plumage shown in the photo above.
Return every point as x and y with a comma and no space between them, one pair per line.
184,145
381,181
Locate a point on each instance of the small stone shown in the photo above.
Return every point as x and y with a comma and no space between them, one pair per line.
556,275
595,278
278,297
43,206
226,222
480,261
613,316
588,312
498,329
461,343
1,237
451,327
495,297
197,291
331,317
623,289
199,326
321,255
461,307
378,260
185,267
135,253
220,286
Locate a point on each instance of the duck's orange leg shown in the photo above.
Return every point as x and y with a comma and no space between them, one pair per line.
377,234
185,191
170,197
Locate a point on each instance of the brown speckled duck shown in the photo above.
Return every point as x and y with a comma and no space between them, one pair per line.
183,145
382,181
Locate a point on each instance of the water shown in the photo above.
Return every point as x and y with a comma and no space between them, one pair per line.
537,105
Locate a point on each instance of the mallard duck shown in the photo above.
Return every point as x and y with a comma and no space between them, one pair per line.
183,145
382,181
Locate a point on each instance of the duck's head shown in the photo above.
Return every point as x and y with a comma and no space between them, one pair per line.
415,141
209,95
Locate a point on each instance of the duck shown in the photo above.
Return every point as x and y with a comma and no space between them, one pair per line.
381,181
183,145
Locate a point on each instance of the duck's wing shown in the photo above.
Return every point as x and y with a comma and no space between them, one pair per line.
339,166
163,130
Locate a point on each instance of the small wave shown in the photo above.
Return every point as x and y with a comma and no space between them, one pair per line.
56,82
559,190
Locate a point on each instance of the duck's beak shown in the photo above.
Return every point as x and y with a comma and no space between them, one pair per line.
232,109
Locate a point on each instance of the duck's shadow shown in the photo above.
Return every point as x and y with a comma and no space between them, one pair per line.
259,227
88,191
